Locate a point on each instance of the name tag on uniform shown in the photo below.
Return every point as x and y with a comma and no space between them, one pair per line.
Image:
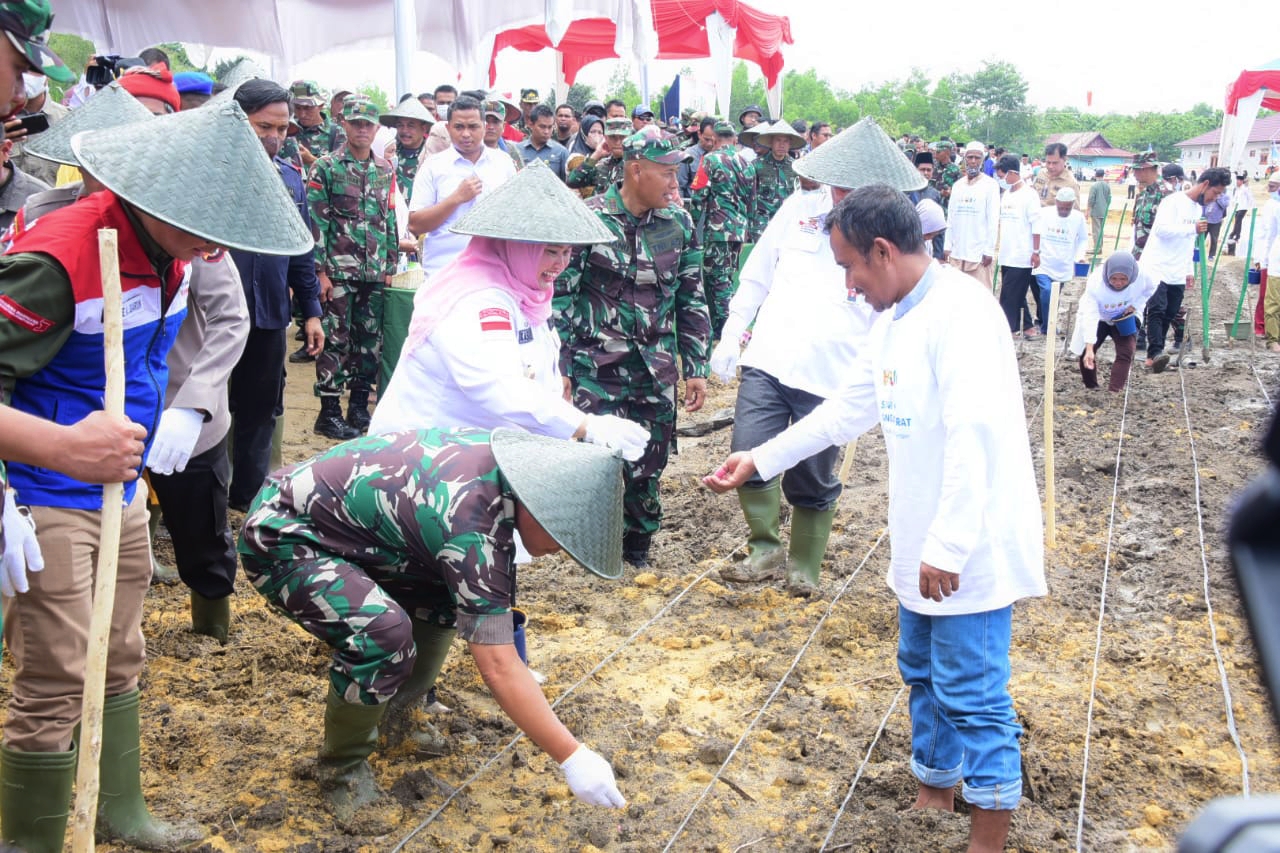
525,336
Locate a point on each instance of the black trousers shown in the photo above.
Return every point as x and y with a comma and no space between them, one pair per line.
1215,228
1236,225
257,385
1161,311
1014,282
194,503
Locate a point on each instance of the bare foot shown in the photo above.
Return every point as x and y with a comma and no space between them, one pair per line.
942,799
988,830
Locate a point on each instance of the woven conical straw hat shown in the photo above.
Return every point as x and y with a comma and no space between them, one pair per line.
860,156
111,107
534,207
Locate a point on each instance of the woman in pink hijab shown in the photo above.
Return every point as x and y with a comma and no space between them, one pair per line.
481,350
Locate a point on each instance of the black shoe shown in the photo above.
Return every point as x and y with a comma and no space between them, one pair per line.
301,356
330,423
635,548
358,410
300,336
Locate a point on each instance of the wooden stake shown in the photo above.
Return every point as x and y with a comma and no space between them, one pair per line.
1050,344
104,593
846,464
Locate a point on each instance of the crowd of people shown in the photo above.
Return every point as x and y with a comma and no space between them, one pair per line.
583,273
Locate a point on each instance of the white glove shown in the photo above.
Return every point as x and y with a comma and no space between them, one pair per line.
627,437
21,550
591,778
175,439
724,359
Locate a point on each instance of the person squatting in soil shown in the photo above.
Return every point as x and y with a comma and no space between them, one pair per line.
963,504
386,547
791,282
625,309
352,206
51,358
1114,297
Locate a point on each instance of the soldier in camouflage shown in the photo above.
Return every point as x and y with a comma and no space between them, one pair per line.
316,134
775,179
1150,193
603,168
945,171
388,546
625,311
722,202
412,122
494,122
350,195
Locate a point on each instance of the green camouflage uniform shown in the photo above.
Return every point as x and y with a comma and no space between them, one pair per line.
357,248
599,176
1144,214
407,170
775,182
352,543
325,138
723,206
625,310
944,177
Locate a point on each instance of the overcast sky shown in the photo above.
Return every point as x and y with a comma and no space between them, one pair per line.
1131,56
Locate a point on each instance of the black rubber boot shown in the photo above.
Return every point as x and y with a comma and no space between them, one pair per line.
35,798
635,548
350,735
211,616
330,423
301,356
122,813
433,643
358,410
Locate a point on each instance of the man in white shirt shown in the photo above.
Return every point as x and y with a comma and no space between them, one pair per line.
1019,245
973,218
448,184
1168,255
963,503
1242,201
1063,241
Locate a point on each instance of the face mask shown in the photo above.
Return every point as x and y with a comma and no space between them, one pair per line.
971,172
1276,195
1004,185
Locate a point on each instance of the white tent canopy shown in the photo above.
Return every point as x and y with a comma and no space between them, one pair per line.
461,32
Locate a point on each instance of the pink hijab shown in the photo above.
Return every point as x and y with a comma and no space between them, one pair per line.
487,262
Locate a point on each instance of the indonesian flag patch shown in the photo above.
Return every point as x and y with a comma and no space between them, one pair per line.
495,320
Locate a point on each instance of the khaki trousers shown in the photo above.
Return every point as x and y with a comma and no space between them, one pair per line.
47,628
975,269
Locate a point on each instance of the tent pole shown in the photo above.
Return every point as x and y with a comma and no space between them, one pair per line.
406,33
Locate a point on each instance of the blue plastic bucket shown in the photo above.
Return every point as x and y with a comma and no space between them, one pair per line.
517,623
1195,255
1127,326
1082,269
1255,276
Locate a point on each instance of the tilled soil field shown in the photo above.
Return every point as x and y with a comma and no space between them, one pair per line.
741,718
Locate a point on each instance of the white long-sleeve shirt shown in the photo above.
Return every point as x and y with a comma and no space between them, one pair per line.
1019,222
808,331
1168,254
483,366
941,378
973,219
1242,198
1099,303
1265,229
1063,241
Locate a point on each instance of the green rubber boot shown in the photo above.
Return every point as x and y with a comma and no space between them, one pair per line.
122,814
433,642
35,798
211,616
810,530
350,735
160,573
766,555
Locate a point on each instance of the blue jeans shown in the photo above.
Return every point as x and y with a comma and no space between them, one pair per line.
962,722
1046,298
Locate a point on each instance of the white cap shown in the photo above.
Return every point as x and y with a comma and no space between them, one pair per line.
976,147
1065,194
932,219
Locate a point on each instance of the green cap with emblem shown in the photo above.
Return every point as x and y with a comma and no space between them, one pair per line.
618,127
723,128
360,108
27,23
573,490
1146,160
650,143
306,93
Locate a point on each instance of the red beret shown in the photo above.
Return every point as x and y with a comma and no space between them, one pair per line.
152,83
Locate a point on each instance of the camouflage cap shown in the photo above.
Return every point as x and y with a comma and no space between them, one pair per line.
360,108
944,145
306,93
650,143
27,23
723,128
618,127
686,115
1145,160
